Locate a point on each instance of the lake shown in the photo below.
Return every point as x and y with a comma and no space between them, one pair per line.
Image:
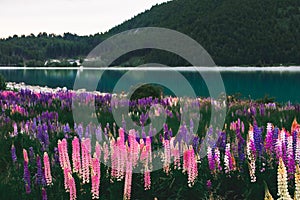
279,82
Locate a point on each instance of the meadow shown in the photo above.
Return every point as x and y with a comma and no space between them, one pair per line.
45,154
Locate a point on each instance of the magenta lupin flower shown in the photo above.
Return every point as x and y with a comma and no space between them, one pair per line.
47,170
290,158
44,194
211,160
192,169
269,139
297,151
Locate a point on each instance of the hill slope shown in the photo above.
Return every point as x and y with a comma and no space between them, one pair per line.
234,32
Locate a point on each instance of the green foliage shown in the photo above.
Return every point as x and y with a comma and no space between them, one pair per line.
2,82
245,32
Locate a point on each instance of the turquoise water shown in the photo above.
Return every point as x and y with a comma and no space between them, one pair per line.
254,83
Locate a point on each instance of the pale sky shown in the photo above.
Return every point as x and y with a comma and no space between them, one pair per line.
82,17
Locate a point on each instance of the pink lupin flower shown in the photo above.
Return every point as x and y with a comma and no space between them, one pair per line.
25,155
229,160
192,167
114,159
128,180
95,176
66,179
147,180
47,170
186,157
105,153
175,153
149,151
120,156
86,160
121,135
63,154
167,156
134,147
98,150
217,159
72,187
76,155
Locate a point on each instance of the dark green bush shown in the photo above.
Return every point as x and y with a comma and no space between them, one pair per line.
147,90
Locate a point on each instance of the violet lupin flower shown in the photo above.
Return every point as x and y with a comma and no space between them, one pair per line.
13,153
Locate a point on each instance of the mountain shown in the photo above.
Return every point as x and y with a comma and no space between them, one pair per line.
234,32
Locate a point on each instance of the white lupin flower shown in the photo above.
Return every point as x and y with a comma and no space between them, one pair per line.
297,183
283,192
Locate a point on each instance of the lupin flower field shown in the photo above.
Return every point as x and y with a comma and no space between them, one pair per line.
46,155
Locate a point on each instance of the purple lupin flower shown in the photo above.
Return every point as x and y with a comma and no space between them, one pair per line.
44,194
31,154
221,143
290,158
40,177
26,177
99,133
123,123
257,133
13,153
79,130
56,155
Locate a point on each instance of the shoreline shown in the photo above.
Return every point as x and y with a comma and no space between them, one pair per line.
191,69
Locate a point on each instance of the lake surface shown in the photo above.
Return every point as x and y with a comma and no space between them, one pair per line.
281,83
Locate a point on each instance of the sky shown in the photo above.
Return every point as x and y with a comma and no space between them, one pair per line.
83,17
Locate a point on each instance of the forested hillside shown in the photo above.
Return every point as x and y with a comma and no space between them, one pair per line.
234,32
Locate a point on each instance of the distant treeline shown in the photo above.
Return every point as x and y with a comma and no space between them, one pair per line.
234,32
